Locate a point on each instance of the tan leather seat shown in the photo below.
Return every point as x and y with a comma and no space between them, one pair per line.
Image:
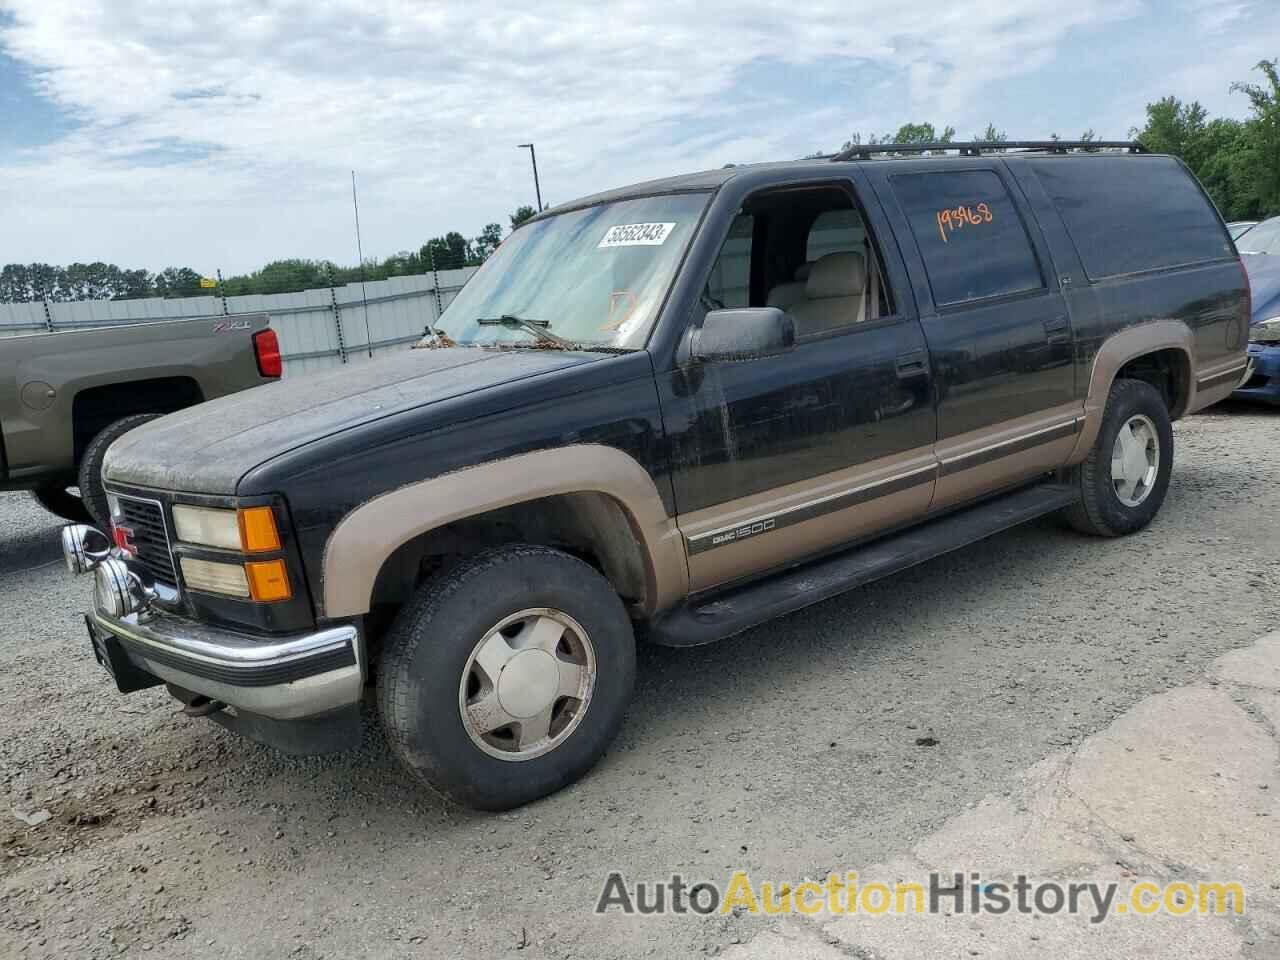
834,294
786,295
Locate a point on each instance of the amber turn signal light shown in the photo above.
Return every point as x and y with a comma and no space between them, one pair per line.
258,533
268,581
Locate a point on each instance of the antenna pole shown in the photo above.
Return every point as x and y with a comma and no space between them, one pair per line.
533,156
364,294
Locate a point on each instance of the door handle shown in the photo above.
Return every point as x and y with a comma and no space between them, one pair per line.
911,365
1058,329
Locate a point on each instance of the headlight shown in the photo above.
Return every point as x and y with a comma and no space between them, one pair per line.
1268,331
248,532
228,579
207,527
266,582
251,530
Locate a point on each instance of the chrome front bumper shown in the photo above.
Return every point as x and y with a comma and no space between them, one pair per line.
280,678
285,678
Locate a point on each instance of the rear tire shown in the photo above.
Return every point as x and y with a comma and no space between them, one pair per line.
63,503
1125,478
92,492
506,679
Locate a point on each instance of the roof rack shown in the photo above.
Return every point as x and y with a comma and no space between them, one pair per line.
974,148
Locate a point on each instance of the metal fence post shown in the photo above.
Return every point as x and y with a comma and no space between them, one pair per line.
222,292
337,315
435,283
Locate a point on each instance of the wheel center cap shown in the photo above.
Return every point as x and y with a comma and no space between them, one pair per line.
528,683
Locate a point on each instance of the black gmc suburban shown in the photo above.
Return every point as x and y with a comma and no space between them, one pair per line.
671,411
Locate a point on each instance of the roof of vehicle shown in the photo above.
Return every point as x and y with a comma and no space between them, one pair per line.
1269,230
712,179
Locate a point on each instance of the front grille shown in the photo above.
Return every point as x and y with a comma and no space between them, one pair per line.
150,537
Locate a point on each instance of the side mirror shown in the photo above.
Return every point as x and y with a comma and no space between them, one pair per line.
744,333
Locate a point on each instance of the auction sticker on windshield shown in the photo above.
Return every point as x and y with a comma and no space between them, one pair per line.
636,235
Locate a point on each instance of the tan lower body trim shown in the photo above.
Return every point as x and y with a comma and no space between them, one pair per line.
770,529
1217,383
977,462
1215,393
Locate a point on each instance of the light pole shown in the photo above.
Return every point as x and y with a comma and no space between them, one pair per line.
533,156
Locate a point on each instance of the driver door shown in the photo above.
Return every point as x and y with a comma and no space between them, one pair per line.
779,459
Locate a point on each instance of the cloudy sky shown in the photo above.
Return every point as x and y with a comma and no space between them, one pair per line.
222,134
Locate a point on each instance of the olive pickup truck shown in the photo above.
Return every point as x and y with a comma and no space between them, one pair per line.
65,397
669,412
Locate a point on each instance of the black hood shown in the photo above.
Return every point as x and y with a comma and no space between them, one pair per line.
208,448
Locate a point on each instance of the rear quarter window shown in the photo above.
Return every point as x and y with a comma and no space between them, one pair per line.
1132,214
969,233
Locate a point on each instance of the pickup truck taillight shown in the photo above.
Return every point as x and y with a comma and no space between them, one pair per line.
266,348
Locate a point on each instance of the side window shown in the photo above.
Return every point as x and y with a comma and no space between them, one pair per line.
970,235
1130,214
730,281
813,254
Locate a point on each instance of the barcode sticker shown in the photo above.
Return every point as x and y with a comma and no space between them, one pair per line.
636,235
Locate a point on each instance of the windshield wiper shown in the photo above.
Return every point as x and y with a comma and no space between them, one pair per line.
536,327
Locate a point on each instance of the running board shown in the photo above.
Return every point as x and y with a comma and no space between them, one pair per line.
707,618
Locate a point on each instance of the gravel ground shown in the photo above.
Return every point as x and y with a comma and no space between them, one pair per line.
788,751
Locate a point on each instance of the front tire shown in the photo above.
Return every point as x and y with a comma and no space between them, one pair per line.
91,489
1125,478
505,680
63,503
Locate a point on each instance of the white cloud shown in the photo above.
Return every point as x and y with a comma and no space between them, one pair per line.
427,103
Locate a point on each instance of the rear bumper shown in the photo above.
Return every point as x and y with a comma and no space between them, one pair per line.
1263,382
285,678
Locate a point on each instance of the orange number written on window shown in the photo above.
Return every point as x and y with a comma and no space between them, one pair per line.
955,218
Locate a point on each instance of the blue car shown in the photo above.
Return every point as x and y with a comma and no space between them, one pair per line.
1261,249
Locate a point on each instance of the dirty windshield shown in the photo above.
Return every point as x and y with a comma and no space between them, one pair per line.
593,276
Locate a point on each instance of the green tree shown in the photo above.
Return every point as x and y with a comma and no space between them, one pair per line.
856,139
134,285
15,283
1173,127
1237,161
47,282
177,282
487,242
1259,165
449,252
907,133
522,215
922,133
992,135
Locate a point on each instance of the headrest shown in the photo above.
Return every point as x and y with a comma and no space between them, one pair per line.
802,271
837,275
786,295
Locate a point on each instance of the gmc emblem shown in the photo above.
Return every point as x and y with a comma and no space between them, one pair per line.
123,537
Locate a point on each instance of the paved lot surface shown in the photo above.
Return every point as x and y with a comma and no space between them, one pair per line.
1180,789
789,752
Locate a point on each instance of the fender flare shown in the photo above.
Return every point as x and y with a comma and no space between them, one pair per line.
1114,353
363,540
